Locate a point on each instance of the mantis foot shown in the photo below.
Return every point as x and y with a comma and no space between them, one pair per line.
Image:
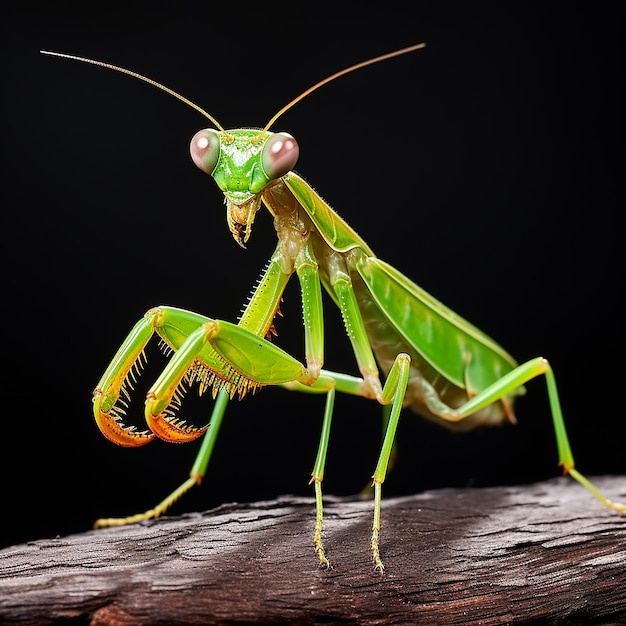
585,482
157,511
378,564
319,522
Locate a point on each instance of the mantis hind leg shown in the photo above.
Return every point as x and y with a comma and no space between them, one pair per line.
505,386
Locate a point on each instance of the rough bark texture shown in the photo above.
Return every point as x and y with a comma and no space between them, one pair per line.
547,553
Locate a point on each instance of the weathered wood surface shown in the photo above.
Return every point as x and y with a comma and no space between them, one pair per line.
545,553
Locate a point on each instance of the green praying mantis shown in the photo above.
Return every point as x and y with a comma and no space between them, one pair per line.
432,361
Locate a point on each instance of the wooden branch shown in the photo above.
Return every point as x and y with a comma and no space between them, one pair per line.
546,553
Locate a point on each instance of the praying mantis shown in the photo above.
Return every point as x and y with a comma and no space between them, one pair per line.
411,350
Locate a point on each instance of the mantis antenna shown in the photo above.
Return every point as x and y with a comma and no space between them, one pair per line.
347,70
293,102
154,83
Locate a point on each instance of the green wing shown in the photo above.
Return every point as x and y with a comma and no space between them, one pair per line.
456,349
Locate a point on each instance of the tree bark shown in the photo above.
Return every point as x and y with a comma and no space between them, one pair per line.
545,553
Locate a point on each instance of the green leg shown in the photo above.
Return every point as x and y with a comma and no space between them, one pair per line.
312,310
394,390
392,394
328,383
318,475
505,386
355,327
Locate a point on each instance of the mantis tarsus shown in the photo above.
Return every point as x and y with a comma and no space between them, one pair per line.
433,361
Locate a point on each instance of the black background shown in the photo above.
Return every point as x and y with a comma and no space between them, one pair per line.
487,167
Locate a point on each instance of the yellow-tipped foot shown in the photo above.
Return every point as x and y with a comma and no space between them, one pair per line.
319,523
157,511
319,550
585,482
106,522
378,564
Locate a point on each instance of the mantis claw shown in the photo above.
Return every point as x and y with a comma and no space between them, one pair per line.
167,426
112,426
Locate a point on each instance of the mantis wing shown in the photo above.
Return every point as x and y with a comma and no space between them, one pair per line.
456,349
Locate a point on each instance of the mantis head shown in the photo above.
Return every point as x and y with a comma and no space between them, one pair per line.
243,162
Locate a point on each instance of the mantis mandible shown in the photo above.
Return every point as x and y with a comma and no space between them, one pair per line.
432,361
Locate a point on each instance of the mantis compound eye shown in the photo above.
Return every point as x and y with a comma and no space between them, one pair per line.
205,149
280,154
